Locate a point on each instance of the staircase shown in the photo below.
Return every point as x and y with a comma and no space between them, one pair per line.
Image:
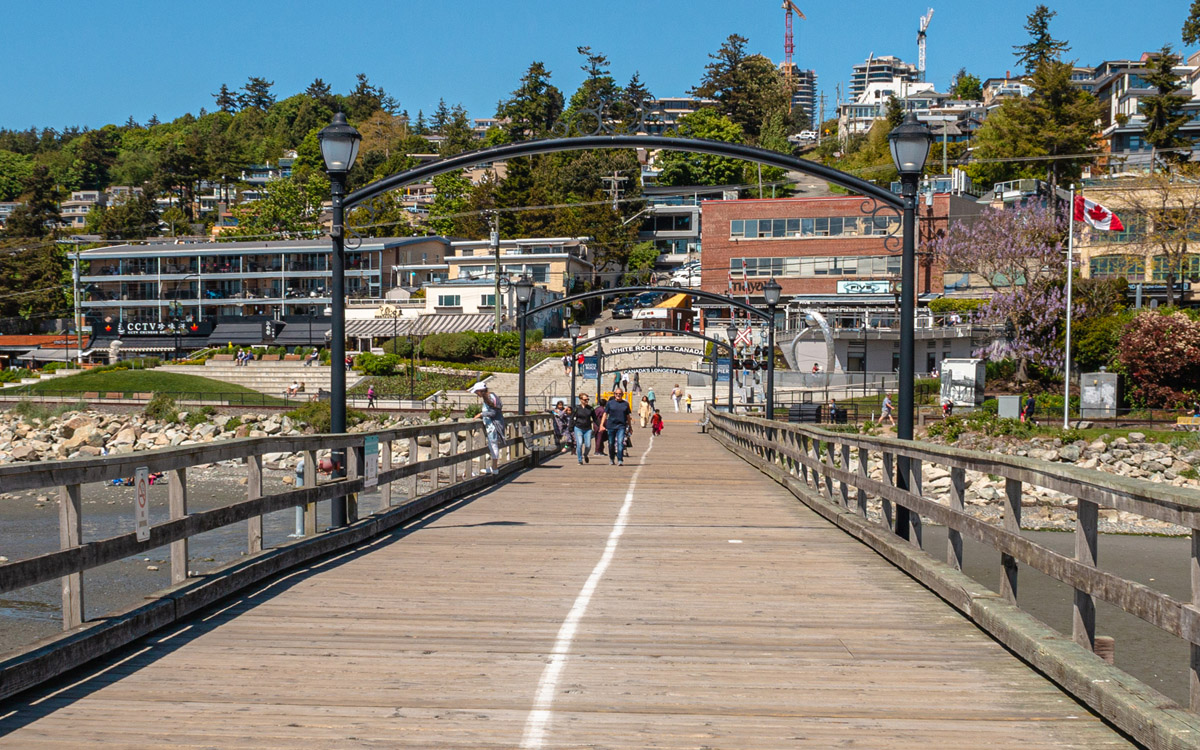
265,377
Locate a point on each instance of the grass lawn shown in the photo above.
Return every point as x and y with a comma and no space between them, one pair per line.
129,382
426,384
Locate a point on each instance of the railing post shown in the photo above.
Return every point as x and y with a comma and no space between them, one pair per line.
254,525
454,452
1012,522
1083,614
354,470
177,501
845,467
310,480
954,542
804,450
914,486
414,456
70,534
385,465
864,472
889,477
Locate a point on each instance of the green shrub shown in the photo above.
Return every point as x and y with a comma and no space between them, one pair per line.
200,416
1071,435
991,406
1189,473
473,410
435,414
1000,369
15,376
317,415
233,424
948,305
163,408
452,347
379,366
401,347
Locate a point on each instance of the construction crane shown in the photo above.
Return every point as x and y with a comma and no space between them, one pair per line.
925,19
789,47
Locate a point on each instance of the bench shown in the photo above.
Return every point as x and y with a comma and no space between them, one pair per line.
1191,424
222,357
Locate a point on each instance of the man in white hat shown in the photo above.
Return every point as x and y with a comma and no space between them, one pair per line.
492,415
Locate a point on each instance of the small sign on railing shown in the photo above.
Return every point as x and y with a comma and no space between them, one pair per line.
141,506
370,461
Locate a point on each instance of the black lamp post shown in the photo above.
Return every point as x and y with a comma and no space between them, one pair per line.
339,149
731,332
524,290
771,294
573,329
910,142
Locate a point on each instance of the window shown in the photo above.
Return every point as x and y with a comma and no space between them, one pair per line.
1186,268
449,300
487,300
1131,267
868,266
1135,230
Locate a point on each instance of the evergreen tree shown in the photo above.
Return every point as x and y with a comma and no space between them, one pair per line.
226,101
746,87
598,91
634,97
458,133
1041,47
441,117
420,127
1191,26
966,86
153,121
534,107
38,216
895,112
1164,109
257,94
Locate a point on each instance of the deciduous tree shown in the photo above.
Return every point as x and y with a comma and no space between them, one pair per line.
1160,355
1163,213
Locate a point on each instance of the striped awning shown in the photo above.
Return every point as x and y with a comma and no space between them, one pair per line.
378,328
52,355
420,326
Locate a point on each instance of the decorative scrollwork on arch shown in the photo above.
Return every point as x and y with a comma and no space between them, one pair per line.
367,216
588,121
872,208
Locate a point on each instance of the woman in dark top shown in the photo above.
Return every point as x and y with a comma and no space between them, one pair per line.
582,418
598,427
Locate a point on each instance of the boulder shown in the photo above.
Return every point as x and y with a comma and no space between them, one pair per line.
85,435
1137,437
25,453
1069,453
242,431
127,436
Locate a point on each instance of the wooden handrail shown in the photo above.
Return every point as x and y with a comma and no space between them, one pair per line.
831,470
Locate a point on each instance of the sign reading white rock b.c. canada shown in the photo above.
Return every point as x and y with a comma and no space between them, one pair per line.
141,503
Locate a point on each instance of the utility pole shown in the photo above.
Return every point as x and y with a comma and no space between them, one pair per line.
821,121
494,244
615,186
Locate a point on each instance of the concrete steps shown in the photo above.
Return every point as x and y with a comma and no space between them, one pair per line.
265,377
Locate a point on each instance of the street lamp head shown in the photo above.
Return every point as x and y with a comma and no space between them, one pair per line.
339,145
910,142
771,292
524,288
731,332
574,330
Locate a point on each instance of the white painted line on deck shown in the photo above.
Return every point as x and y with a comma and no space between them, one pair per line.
539,716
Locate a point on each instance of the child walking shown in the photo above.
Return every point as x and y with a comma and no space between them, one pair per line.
656,423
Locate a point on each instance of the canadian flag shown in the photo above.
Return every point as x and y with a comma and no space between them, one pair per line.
1096,216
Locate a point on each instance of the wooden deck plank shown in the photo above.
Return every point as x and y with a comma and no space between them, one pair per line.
729,616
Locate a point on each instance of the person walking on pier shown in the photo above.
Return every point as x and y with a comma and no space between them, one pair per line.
688,399
656,422
492,414
616,423
676,394
370,397
583,419
650,396
644,411
887,410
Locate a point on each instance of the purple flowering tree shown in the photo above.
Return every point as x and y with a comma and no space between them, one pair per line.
1018,253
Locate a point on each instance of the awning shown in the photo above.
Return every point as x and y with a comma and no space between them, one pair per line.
378,328
236,333
302,334
150,343
448,323
676,300
52,355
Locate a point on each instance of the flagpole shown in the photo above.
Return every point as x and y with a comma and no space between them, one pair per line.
1070,273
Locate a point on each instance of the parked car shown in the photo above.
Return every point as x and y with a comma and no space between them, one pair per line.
624,308
689,279
650,299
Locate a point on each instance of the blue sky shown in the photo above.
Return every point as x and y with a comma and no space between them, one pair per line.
97,63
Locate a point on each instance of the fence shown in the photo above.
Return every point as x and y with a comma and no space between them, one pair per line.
423,482
831,472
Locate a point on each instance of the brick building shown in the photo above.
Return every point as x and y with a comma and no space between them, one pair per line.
826,246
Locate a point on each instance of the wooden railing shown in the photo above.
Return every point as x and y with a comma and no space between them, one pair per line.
425,480
831,472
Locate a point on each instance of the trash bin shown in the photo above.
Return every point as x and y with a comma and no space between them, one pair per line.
1009,407
838,416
